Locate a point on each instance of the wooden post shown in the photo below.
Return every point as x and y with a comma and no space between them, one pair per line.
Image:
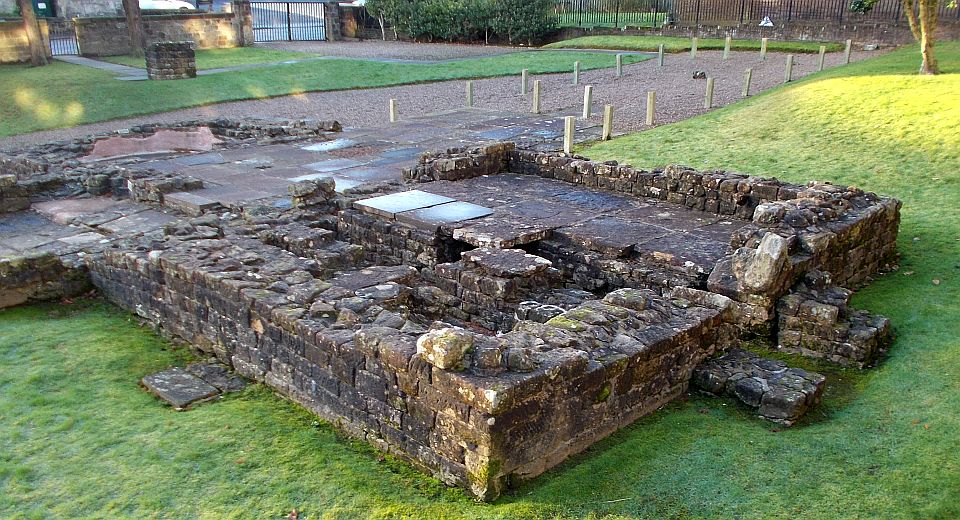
747,78
763,48
708,99
660,52
587,101
569,124
576,73
393,110
651,106
607,123
726,48
788,74
524,81
846,51
469,93
823,55
619,65
693,47
536,97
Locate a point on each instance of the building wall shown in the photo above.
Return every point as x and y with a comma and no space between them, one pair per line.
14,46
7,6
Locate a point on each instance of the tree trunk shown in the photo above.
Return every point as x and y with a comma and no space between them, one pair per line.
134,27
38,50
928,26
912,19
383,26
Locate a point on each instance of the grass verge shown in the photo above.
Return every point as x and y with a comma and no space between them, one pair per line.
78,438
674,44
220,58
61,95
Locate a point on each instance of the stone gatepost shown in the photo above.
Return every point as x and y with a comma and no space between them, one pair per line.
243,21
171,60
331,21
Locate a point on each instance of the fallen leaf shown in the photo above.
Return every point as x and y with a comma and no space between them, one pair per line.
907,273
936,281
915,421
926,426
294,515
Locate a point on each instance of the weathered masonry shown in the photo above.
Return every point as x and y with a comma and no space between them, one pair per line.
486,316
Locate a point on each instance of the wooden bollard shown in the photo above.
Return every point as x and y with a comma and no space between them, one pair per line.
619,65
788,74
747,78
536,97
693,47
469,93
726,48
587,101
708,99
846,51
393,110
576,73
524,82
763,48
823,55
607,123
651,106
660,52
569,125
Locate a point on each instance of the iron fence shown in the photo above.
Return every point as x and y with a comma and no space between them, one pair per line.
288,21
654,13
63,40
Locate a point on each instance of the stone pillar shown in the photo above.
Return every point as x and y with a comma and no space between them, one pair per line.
331,20
243,21
171,60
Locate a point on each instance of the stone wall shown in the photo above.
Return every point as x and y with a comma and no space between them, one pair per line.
861,33
14,46
8,7
171,60
108,36
41,277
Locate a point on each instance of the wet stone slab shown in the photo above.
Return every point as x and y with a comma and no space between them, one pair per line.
389,205
435,216
179,388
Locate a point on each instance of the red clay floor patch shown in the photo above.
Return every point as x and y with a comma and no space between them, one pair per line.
199,140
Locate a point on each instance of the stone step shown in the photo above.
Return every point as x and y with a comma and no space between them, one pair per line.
779,393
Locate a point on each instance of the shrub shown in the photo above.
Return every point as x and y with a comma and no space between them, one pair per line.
518,21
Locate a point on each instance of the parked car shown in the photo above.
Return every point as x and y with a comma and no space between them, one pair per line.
167,5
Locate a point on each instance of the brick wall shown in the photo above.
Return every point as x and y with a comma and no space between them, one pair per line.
14,46
108,36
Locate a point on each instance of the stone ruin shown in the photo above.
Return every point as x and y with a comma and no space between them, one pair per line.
492,313
171,60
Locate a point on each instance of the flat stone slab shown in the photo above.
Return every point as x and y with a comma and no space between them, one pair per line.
389,205
218,375
179,388
378,275
506,262
778,392
189,203
332,165
434,216
64,211
139,223
327,146
198,139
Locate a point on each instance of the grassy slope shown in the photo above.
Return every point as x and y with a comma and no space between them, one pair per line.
674,44
78,438
61,95
218,58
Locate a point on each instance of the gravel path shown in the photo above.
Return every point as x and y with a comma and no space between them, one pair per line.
393,50
678,95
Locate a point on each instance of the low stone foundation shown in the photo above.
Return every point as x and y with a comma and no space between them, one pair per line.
171,60
513,310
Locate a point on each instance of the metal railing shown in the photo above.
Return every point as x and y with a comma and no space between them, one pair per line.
288,21
654,13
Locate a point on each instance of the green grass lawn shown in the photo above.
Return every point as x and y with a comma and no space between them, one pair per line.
674,44
219,58
78,438
61,95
